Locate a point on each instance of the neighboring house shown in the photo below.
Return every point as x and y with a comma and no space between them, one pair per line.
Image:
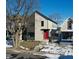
67,30
40,26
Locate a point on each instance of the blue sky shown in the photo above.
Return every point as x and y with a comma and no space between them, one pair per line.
63,7
47,7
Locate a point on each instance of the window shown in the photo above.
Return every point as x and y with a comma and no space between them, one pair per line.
67,35
42,23
69,24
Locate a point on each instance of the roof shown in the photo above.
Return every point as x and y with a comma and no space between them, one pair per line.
45,16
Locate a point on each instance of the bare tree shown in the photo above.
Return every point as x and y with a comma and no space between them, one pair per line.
56,17
18,11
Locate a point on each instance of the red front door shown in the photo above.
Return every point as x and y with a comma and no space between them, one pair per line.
46,35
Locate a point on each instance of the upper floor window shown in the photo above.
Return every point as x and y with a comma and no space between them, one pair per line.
42,23
70,24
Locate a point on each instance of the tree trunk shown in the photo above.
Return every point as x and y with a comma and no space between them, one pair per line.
17,40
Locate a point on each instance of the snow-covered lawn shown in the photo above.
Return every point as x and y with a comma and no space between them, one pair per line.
50,56
57,49
8,46
54,51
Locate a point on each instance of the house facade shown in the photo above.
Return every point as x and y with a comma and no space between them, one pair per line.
43,27
67,30
40,26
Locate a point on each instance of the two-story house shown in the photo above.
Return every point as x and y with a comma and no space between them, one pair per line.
67,30
40,26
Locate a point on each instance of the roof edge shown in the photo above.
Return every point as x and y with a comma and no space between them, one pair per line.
43,16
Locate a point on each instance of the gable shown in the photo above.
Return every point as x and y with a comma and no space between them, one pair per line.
45,17
65,24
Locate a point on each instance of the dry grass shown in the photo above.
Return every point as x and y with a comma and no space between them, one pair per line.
29,44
